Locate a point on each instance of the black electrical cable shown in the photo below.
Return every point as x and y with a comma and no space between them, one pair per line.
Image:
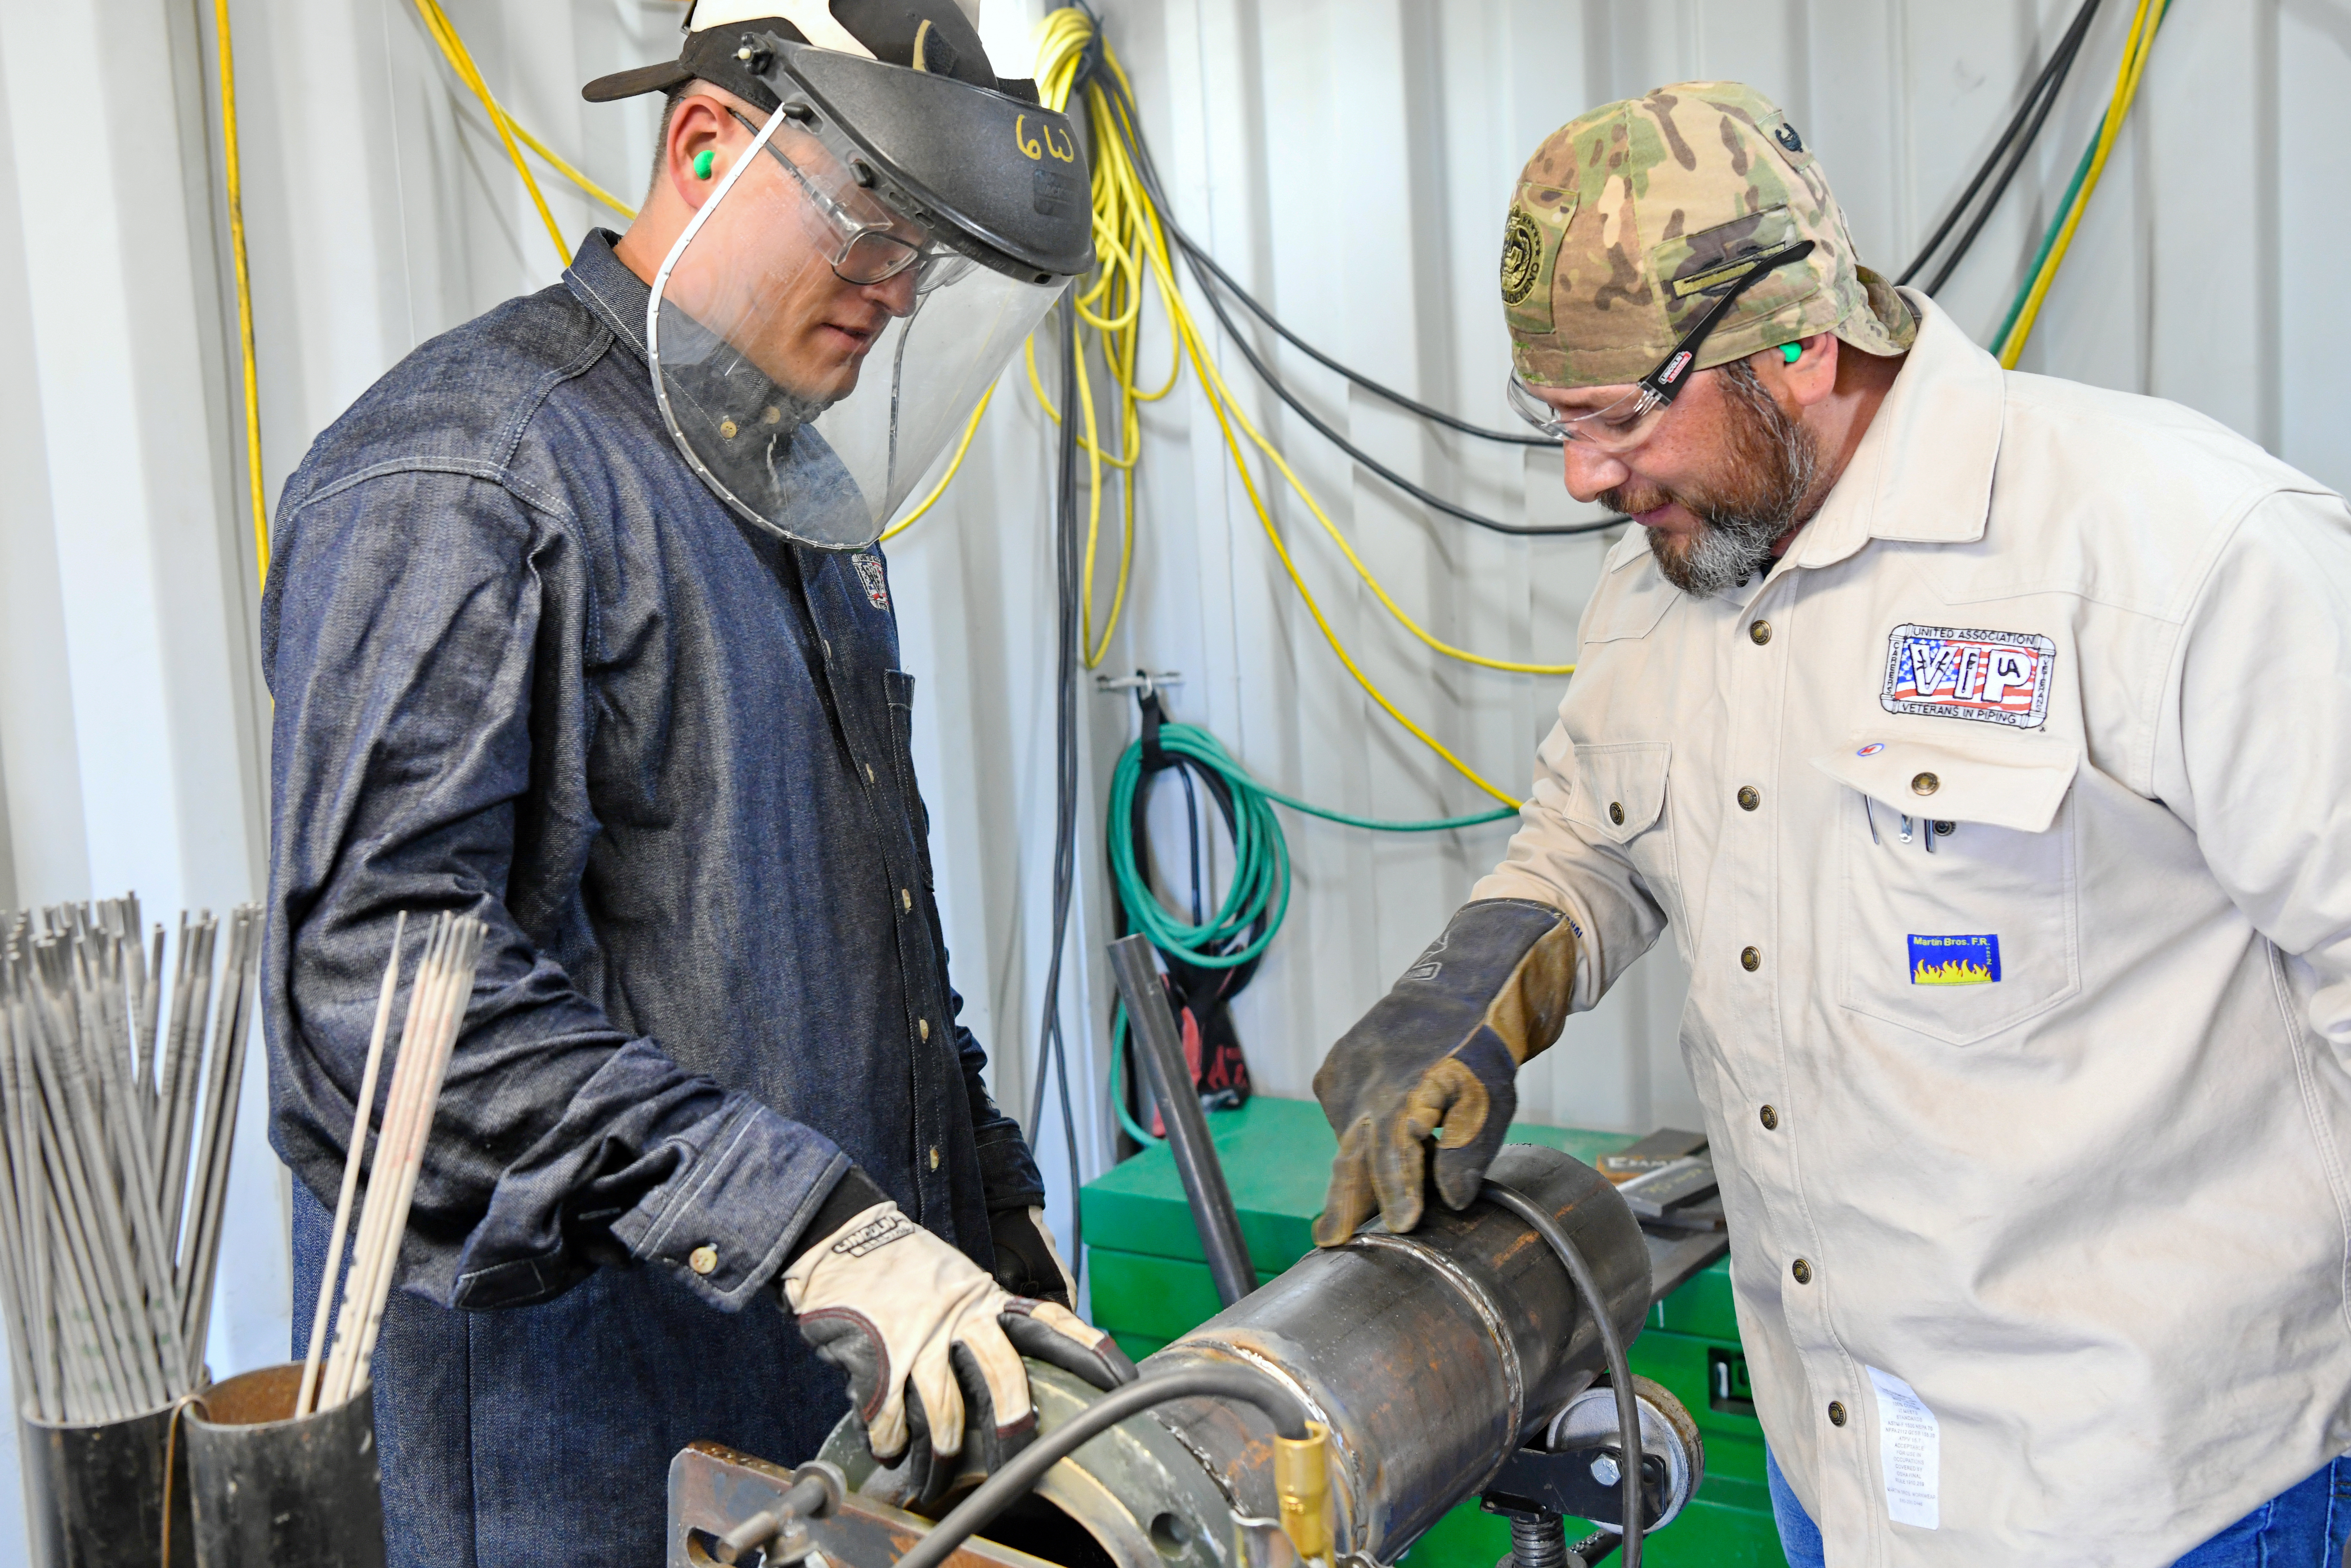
1425,498
2038,101
1612,1345
1282,1407
1202,268
1053,1049
1199,256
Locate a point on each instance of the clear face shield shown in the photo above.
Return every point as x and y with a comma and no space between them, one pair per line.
817,343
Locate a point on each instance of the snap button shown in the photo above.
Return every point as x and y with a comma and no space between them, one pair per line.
703,1258
1923,784
1616,812
1770,1119
1802,1270
1750,959
1749,797
1836,1413
924,1025
726,428
905,901
934,1156
869,773
1760,632
1946,828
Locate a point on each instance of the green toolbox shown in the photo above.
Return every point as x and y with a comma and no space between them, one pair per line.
1150,1283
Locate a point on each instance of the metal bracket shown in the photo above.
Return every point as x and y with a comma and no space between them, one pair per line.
1142,683
1574,1483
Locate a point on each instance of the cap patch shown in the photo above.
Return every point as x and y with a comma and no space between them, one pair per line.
1521,255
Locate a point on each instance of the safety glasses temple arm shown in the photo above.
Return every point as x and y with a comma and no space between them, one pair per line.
1665,383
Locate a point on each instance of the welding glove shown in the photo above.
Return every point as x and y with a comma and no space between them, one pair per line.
1436,1060
931,1346
1027,1261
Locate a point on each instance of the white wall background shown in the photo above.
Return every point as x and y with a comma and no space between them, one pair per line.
1349,159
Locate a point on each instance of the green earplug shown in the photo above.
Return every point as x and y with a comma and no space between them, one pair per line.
1791,353
702,165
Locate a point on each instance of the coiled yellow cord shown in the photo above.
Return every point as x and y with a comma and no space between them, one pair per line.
1113,309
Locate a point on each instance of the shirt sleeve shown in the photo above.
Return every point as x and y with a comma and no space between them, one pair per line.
1592,880
420,631
2252,742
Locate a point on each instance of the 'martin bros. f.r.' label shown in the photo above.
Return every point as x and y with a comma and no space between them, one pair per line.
1954,960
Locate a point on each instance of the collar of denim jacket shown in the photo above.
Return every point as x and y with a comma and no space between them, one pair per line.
603,282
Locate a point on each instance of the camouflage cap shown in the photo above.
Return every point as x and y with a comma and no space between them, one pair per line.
1629,220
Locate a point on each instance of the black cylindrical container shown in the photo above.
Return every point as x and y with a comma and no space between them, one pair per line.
94,1493
276,1492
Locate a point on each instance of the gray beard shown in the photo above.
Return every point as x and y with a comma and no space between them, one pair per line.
1778,462
1723,553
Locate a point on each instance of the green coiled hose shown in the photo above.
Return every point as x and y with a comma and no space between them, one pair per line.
1259,885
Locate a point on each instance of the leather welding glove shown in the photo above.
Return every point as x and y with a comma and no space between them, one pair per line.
1438,1055
1027,1261
931,1346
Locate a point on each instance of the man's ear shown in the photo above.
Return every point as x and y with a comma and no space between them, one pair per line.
700,125
1808,378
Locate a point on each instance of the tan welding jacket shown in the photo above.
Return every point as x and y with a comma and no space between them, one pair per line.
2006,830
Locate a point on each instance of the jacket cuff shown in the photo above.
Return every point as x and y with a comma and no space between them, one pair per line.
731,1213
1008,1171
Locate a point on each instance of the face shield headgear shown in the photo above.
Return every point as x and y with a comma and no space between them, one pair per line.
861,273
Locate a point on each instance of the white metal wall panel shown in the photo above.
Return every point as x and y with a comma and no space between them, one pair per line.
1348,159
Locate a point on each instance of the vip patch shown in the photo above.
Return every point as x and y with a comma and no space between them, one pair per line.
868,572
1955,960
1994,677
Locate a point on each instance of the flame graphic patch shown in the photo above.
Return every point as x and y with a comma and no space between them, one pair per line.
1954,960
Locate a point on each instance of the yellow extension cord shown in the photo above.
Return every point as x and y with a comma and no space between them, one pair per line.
2136,49
232,176
1130,237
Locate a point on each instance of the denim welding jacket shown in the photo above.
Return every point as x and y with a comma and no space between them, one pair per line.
527,667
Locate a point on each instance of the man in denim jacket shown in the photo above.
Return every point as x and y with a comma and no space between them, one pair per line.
528,666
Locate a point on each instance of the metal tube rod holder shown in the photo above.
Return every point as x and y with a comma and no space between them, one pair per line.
1155,1030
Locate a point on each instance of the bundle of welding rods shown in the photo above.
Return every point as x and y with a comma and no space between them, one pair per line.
436,1011
118,1119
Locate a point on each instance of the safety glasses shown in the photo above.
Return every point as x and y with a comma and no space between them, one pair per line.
871,250
1634,418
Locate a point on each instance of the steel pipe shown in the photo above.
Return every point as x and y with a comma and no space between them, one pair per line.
1153,1025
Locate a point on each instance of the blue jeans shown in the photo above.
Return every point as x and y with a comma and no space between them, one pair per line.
2303,1527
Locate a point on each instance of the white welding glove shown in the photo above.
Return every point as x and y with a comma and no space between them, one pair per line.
931,1345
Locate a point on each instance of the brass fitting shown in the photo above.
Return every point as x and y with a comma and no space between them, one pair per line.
1301,1479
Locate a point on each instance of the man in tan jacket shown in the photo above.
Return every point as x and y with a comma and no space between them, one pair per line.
1985,741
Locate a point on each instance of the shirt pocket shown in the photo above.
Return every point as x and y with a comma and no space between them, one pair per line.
1971,926
1619,798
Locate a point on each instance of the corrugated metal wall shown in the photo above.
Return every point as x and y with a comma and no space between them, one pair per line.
1348,159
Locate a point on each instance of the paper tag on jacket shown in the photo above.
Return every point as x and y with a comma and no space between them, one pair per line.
1909,1452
